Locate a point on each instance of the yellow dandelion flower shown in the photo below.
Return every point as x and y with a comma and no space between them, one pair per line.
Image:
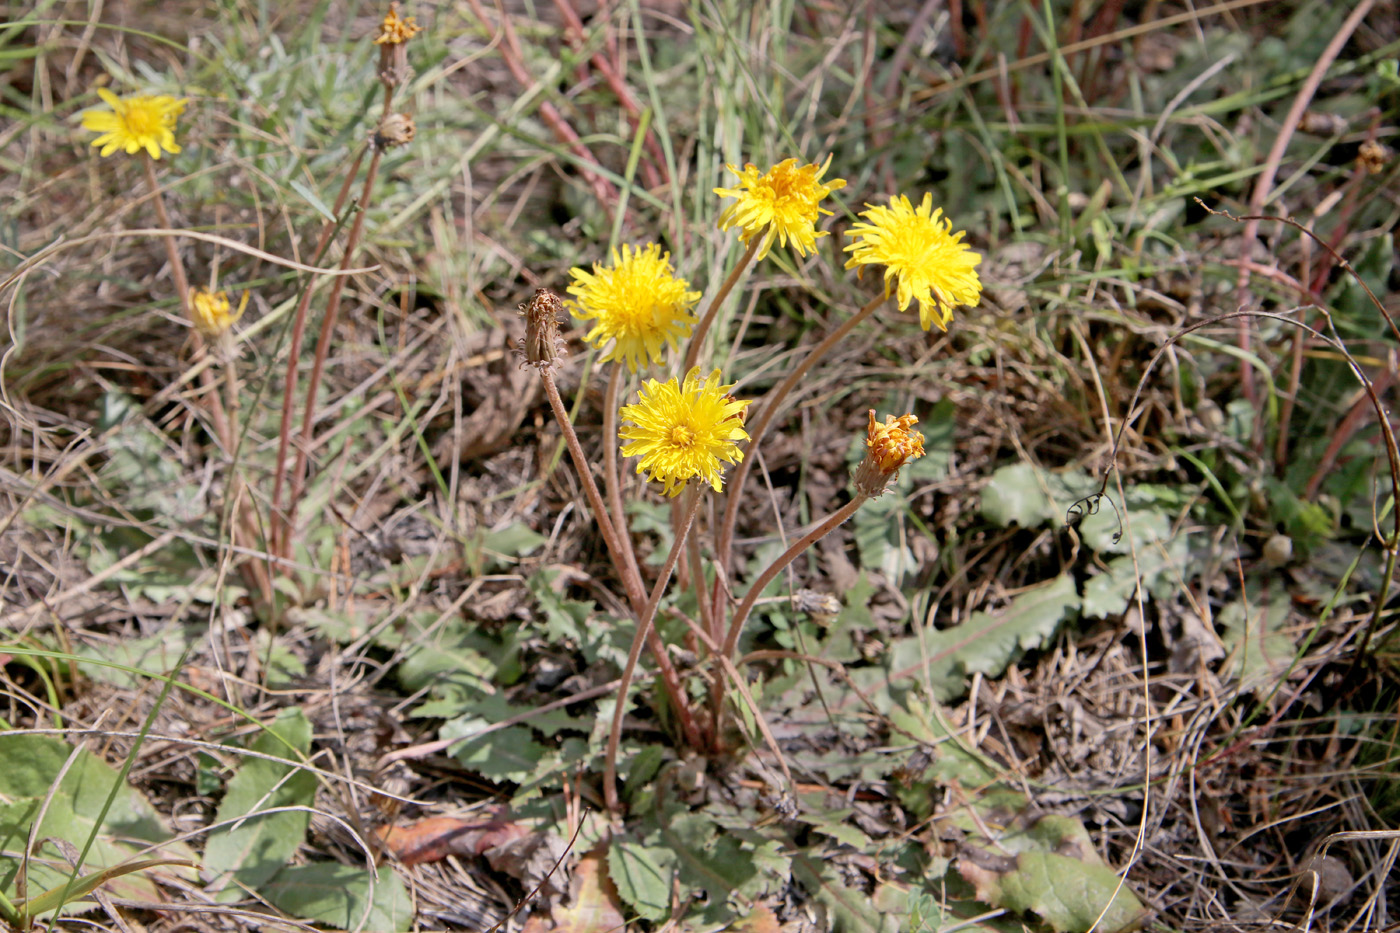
684,430
395,29
211,311
637,303
918,250
889,446
781,204
135,123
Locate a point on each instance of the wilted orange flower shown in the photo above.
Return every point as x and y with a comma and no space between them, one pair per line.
889,446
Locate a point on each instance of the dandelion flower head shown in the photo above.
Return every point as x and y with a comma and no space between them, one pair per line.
211,311
637,303
781,204
923,258
889,446
684,430
135,123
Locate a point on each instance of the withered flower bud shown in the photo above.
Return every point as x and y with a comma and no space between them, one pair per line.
888,447
1374,156
394,33
396,129
541,347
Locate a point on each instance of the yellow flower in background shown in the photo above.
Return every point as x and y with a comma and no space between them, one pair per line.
396,30
889,446
781,204
135,123
921,254
637,303
684,430
211,311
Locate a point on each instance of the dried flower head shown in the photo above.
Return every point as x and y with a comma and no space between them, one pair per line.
541,347
392,39
684,430
888,447
781,204
1374,156
395,129
923,258
135,123
395,29
211,312
637,303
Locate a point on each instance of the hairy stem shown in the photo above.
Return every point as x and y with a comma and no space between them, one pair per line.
741,614
318,365
697,338
289,387
769,407
632,582
612,480
644,627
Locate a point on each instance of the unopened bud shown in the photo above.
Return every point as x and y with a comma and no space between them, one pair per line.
211,312
541,347
888,447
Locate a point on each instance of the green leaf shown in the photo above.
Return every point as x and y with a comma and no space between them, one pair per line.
312,199
643,877
256,849
1020,494
342,896
31,766
1254,634
986,642
848,910
509,754
1056,873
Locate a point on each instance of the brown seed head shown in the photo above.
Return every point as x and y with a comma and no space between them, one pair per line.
1374,156
396,129
541,347
888,447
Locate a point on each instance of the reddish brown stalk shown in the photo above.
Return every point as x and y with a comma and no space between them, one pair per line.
289,387
252,573
644,630
514,58
1265,186
632,582
741,615
697,337
318,364
769,407
654,167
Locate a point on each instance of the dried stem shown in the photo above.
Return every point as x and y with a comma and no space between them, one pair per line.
644,628
697,338
1264,187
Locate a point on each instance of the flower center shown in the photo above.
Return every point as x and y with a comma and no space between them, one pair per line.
142,121
682,436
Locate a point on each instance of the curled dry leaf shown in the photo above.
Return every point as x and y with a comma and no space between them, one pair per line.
435,838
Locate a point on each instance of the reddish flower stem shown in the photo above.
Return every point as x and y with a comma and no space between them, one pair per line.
644,631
